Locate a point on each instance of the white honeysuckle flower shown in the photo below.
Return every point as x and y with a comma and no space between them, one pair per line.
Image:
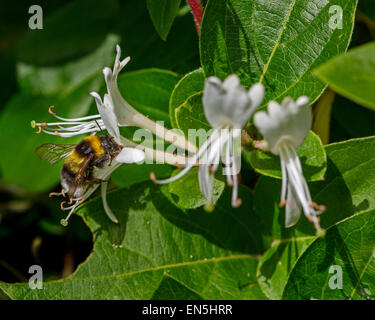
114,111
285,127
126,156
227,106
70,127
128,116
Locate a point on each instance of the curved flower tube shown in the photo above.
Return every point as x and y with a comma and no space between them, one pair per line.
128,116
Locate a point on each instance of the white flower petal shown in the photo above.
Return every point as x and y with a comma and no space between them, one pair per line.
256,94
302,101
130,155
226,104
106,207
231,82
122,109
275,111
292,209
290,121
107,115
205,182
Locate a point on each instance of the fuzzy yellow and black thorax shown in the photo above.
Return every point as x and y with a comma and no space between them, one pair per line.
92,151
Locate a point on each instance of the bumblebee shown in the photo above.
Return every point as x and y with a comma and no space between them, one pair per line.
78,171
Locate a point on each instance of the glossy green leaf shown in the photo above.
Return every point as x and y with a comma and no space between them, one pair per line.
312,155
189,85
149,91
352,74
162,13
190,116
186,190
156,243
346,255
287,244
354,161
276,264
130,174
277,43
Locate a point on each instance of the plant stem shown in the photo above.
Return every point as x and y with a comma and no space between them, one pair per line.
156,155
197,11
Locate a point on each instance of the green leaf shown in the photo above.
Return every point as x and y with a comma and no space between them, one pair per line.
275,265
68,33
349,245
186,193
162,13
277,43
189,85
352,75
173,290
64,87
312,155
190,116
367,7
156,243
287,244
149,91
354,160
130,174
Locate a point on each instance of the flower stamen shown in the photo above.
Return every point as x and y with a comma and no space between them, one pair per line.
57,194
62,205
50,110
283,203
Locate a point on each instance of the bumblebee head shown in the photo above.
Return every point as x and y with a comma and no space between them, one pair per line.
110,145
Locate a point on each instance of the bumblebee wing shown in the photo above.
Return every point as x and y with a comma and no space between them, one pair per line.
53,153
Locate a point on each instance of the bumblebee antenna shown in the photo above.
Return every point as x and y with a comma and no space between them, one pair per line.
98,126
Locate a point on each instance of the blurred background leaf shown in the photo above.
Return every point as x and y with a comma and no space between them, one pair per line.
70,32
352,74
367,7
67,88
162,13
